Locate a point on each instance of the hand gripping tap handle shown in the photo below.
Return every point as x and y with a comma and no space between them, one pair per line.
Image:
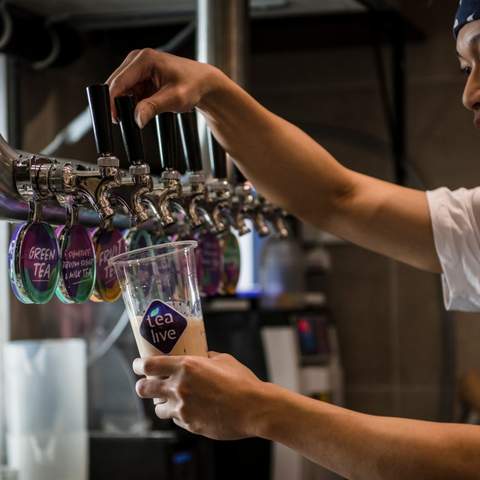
187,123
218,156
169,141
131,134
99,103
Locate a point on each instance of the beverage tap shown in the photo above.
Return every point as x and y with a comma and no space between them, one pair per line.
243,202
219,190
275,216
139,170
195,192
248,204
170,186
108,164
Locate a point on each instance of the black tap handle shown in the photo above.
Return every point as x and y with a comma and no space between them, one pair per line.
99,103
218,156
168,141
131,135
192,153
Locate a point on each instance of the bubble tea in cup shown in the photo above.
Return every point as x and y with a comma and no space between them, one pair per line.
160,290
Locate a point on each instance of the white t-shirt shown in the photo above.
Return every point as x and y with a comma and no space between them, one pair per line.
456,219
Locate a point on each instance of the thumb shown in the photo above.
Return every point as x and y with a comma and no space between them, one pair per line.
212,354
162,101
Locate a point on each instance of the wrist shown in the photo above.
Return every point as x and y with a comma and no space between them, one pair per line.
270,405
216,87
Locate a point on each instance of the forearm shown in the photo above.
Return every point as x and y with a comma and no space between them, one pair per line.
365,447
282,161
295,172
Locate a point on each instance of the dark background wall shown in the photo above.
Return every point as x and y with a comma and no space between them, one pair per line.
388,314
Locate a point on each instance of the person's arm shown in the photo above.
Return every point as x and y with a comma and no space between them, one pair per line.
282,161
221,399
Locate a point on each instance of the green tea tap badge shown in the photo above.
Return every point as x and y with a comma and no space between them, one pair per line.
34,259
231,263
138,238
77,272
108,242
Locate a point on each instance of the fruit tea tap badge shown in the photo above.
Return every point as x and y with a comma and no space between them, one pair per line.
108,242
209,259
34,259
138,238
77,272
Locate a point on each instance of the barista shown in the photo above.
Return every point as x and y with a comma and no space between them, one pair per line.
435,231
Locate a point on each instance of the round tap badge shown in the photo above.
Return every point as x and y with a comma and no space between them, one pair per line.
138,239
12,268
34,262
209,263
231,263
77,272
107,244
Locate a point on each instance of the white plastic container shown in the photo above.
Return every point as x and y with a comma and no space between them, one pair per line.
46,409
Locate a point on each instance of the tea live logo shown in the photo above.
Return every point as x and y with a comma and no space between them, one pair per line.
162,326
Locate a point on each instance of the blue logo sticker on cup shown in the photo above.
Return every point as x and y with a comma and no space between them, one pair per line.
162,326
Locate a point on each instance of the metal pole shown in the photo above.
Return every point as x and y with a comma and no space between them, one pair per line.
223,41
399,100
4,287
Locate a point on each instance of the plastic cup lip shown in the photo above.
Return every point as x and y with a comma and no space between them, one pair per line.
136,257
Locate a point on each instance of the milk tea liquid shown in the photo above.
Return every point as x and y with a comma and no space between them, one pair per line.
192,341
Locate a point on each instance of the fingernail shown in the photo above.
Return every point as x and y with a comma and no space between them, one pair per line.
138,366
139,119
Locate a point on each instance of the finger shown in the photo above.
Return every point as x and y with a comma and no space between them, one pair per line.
153,388
125,62
132,74
165,410
115,73
160,365
166,99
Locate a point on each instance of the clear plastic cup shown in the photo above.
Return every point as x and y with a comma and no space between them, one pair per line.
160,290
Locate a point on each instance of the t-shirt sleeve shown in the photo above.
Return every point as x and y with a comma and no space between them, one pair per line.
455,216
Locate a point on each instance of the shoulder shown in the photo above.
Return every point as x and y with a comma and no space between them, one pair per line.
455,216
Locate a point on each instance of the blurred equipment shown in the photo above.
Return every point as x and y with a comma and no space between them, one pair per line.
46,405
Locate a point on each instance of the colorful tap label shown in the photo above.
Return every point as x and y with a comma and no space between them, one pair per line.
36,262
138,239
77,275
209,263
15,280
108,244
231,263
162,326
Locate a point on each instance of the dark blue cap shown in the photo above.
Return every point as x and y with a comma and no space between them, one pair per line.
468,11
